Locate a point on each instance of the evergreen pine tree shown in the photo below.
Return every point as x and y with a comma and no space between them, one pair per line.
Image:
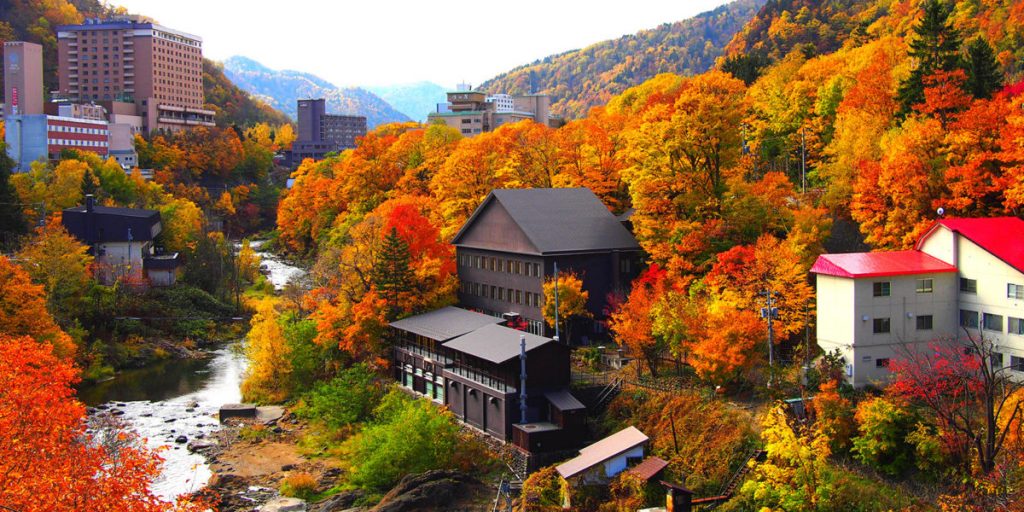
983,75
391,273
12,218
88,183
936,47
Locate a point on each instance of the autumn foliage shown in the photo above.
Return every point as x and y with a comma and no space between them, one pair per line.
47,460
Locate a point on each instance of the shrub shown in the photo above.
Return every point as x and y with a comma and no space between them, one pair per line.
300,485
542,492
884,427
254,432
408,436
349,398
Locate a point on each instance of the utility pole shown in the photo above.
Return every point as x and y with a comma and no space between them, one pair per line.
557,337
803,162
770,312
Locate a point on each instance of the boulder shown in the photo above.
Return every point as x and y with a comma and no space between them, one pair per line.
338,503
237,411
433,490
181,440
284,505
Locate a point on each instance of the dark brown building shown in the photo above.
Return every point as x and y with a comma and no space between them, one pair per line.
468,362
512,242
321,133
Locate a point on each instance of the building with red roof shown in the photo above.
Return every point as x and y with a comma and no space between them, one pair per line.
963,274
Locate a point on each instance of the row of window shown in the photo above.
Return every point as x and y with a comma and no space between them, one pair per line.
493,264
884,325
74,142
1016,363
884,288
433,384
991,322
502,294
76,129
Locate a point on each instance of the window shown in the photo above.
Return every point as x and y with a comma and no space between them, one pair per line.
882,362
968,285
1015,291
924,322
992,322
494,292
501,294
924,285
881,289
1017,363
880,326
536,269
490,262
519,297
968,318
1015,325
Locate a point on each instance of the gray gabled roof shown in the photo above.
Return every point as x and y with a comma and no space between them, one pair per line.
445,323
607,448
495,343
563,400
560,220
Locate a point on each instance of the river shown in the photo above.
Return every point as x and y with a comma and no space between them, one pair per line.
180,398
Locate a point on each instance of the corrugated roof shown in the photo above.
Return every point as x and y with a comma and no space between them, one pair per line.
599,452
495,343
1001,236
445,323
877,264
563,400
560,220
649,468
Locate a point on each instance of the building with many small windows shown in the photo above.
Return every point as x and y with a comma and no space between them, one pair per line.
474,112
320,133
964,276
514,239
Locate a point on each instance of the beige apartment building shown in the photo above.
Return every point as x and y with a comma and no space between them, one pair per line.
129,60
474,112
964,277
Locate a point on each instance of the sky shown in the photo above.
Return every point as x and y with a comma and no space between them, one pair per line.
387,42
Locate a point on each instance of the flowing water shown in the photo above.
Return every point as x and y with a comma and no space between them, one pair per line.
180,398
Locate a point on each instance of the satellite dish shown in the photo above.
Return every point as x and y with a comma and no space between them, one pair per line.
941,211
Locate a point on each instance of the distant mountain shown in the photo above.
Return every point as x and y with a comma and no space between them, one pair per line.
233,105
415,100
282,88
580,79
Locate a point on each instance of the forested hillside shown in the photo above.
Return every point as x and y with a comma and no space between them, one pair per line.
580,79
36,20
282,88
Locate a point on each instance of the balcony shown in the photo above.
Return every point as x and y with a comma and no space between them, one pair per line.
424,353
481,378
126,51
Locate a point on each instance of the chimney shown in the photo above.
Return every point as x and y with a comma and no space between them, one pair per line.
677,498
90,202
522,379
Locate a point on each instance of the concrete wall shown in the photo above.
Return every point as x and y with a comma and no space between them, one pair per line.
847,310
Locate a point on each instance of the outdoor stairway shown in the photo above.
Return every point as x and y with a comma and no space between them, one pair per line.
734,483
508,490
607,395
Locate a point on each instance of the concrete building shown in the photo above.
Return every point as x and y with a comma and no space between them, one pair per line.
23,78
41,137
320,133
963,274
130,60
513,241
473,112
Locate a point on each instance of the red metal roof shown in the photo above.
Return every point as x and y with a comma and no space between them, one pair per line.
1001,236
877,264
649,468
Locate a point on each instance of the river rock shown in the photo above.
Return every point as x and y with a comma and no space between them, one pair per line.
117,412
284,505
201,446
181,440
338,502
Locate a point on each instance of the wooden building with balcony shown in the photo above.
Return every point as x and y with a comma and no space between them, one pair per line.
470,363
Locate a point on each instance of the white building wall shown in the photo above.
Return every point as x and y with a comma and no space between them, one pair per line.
618,464
992,276
847,310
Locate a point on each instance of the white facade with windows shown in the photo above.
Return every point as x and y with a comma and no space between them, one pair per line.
964,277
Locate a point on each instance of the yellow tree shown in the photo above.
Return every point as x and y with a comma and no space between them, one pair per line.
572,302
248,262
284,135
23,310
62,264
267,378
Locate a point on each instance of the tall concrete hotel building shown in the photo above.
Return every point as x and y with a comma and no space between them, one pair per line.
129,61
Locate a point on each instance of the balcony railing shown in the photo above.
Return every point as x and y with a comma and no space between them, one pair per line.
481,378
424,353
